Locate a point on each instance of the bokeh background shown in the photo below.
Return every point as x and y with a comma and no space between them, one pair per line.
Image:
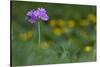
69,36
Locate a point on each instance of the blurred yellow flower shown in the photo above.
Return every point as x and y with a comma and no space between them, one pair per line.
65,29
92,17
23,36
83,22
52,23
88,48
29,34
71,23
44,45
60,23
57,31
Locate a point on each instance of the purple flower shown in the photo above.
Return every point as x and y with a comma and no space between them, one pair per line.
41,12
31,16
34,15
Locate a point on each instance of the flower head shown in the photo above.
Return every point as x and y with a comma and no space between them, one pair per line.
31,16
88,48
41,13
34,15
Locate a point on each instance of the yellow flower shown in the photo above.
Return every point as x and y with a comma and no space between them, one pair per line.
44,45
88,48
29,34
84,22
92,17
57,31
52,23
65,29
60,23
23,36
71,23
26,35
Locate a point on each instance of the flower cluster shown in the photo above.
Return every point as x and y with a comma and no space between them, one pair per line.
34,15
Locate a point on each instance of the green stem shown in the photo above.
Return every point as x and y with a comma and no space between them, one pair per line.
39,33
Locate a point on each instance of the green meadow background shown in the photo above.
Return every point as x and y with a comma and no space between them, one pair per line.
69,36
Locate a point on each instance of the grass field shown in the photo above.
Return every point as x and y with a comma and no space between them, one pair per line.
69,36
